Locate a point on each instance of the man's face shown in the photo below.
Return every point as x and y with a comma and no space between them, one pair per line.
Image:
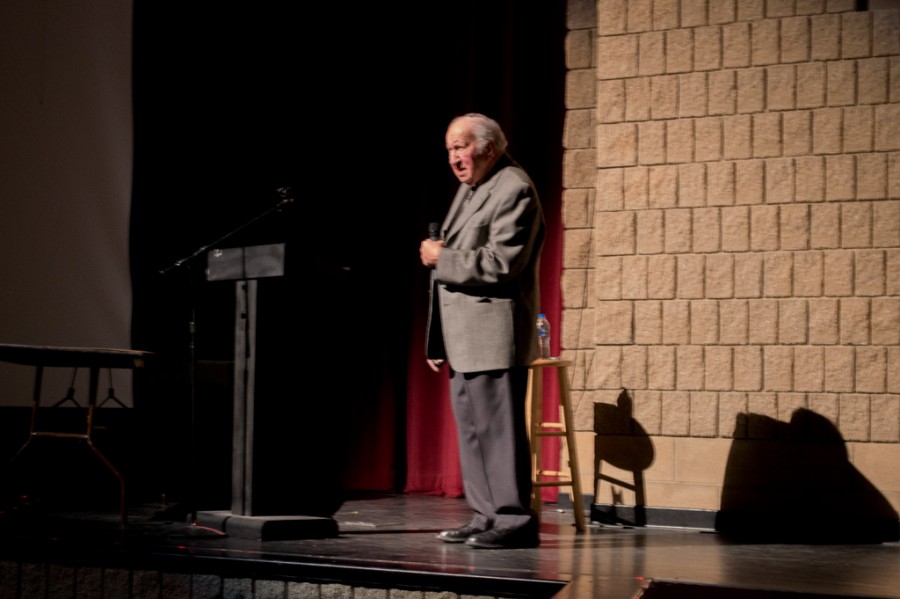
467,163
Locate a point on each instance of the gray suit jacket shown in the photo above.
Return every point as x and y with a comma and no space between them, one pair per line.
484,292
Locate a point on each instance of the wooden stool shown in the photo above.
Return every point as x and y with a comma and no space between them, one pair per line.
537,429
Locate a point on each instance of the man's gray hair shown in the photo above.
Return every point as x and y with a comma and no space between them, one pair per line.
485,130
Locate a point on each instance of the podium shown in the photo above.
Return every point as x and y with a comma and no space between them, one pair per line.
269,499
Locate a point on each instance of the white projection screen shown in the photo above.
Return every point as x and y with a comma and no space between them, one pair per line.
65,186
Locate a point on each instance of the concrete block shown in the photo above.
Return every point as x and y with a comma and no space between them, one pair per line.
871,369
763,321
634,277
634,367
733,322
664,186
731,405
704,322
764,227
748,269
617,56
661,367
808,272
651,53
873,80
736,45
870,272
610,187
765,42
720,276
661,276
676,413
751,90
578,129
887,127
650,232
823,321
856,34
737,133
707,139
721,11
855,321
811,78
794,225
778,365
886,321
692,184
886,32
676,322
639,15
735,229
690,276
839,365
719,376
680,141
809,368
795,39
609,278
854,417
579,48
704,414
825,226
838,273
722,92
616,145
809,178
792,322
614,320
841,83
856,225
610,101
648,322
679,50
692,95
779,180
871,180
635,192
825,35
666,14
706,225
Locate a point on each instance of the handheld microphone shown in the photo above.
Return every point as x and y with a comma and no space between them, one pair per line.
434,231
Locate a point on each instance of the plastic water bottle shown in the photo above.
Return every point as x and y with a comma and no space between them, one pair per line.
543,331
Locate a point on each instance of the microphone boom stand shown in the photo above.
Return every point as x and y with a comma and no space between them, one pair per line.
187,262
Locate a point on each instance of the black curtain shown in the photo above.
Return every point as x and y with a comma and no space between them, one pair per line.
348,107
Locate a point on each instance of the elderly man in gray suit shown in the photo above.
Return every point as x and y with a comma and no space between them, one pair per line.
484,303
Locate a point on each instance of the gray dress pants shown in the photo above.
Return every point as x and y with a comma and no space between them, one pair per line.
489,408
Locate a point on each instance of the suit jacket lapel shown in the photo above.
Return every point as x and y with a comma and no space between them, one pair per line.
457,214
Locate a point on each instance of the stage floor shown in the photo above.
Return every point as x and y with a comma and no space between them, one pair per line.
389,540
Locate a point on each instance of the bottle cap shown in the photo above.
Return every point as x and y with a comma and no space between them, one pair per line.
542,315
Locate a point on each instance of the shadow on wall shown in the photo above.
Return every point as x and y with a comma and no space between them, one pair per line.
621,442
793,482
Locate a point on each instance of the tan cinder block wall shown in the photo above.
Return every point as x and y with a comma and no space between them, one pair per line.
732,228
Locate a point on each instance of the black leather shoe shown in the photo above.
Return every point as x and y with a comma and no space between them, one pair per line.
459,535
506,538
